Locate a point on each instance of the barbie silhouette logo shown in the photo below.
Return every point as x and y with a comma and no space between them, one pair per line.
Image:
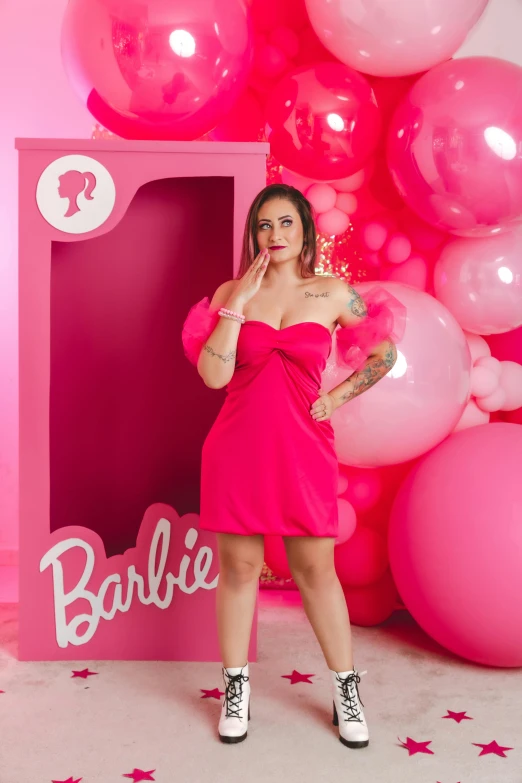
72,184
75,194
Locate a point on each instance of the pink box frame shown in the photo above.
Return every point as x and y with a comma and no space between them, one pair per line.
135,605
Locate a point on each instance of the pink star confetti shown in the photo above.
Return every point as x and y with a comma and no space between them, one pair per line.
84,673
69,780
492,747
457,716
416,747
140,774
214,694
297,677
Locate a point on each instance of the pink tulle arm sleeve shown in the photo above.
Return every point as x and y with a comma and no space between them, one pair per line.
385,320
199,324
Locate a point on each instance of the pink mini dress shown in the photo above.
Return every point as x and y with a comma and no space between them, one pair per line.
268,467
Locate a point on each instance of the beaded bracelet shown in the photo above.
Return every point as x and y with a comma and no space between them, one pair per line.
231,314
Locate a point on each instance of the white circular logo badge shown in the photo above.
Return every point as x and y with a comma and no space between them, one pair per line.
75,194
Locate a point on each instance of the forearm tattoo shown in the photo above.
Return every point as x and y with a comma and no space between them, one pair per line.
225,357
376,367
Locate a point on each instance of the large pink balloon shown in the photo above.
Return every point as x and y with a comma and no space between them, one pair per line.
454,146
455,542
393,38
157,69
480,282
322,121
419,402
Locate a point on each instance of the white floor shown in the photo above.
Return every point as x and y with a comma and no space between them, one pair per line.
152,717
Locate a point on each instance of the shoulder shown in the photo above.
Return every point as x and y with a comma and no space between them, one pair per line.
223,293
350,304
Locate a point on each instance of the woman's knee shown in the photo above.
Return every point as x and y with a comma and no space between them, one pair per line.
240,561
312,575
311,563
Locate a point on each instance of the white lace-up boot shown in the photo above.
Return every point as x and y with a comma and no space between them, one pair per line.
348,715
235,709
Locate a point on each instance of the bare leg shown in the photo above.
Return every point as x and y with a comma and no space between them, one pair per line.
240,562
311,561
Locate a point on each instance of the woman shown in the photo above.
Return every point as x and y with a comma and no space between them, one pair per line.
268,463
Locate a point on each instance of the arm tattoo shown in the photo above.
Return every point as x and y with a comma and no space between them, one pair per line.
376,367
356,304
225,357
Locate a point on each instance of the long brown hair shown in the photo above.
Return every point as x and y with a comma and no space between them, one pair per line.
306,212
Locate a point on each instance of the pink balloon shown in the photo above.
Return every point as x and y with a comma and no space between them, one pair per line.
269,14
243,122
465,595
346,202
398,249
374,235
275,557
413,272
480,282
342,484
367,205
342,121
333,222
483,382
491,364
393,39
473,416
322,197
511,383
492,402
347,521
266,15
147,69
373,260
296,180
478,347
372,605
285,39
364,487
423,237
351,183
472,187
421,399
269,61
363,559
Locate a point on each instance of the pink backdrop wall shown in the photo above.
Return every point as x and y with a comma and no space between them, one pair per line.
29,59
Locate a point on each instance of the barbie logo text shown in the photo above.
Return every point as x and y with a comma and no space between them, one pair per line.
145,588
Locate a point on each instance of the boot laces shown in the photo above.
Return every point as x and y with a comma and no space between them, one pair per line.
234,694
350,696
